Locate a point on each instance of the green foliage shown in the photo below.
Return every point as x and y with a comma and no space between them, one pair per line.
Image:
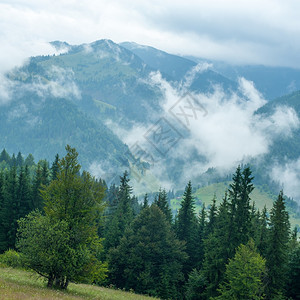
122,215
187,228
47,248
17,283
195,286
161,201
277,252
244,275
12,258
63,245
149,258
217,249
61,242
293,287
239,197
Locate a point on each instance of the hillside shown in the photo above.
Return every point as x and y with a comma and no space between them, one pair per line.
180,69
43,127
107,72
271,81
70,98
20,284
284,147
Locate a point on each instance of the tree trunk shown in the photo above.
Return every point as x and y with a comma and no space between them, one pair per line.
66,283
50,281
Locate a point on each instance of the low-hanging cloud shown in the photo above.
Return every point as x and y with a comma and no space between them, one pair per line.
6,87
241,32
227,131
287,174
231,130
60,85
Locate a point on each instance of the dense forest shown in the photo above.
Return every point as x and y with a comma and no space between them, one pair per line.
71,227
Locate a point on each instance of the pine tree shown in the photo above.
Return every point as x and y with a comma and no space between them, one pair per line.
239,199
201,237
187,228
277,252
24,192
262,238
122,216
162,202
217,250
146,201
149,258
4,156
211,217
243,218
293,286
3,216
41,178
55,167
19,160
13,161
11,207
29,161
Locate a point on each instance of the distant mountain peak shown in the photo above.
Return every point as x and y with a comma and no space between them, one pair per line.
58,45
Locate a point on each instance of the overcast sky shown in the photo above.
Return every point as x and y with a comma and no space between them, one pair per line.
238,31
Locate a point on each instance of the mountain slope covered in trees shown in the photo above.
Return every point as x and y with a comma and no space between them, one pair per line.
72,97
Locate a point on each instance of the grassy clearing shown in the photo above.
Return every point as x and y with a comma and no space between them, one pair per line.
20,284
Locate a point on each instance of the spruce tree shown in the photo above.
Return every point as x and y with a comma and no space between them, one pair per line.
41,177
211,217
24,194
122,216
145,201
262,238
277,252
201,237
4,156
13,161
149,258
187,228
19,160
239,199
55,168
217,250
11,207
3,216
293,286
243,211
29,161
162,202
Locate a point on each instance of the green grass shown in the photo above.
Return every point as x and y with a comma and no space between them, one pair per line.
20,284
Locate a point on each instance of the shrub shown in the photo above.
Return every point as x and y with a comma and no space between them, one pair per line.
12,258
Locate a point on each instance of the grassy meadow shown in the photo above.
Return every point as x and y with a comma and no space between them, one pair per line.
21,284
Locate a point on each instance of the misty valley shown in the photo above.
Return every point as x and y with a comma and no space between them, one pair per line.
126,167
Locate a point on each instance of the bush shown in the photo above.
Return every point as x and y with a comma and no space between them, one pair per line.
12,258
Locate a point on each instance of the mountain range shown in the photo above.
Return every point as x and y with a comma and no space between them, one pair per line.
87,93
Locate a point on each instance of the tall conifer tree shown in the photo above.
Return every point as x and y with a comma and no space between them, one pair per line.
187,227
277,252
162,202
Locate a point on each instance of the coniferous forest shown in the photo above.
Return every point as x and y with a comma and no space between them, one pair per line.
68,226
